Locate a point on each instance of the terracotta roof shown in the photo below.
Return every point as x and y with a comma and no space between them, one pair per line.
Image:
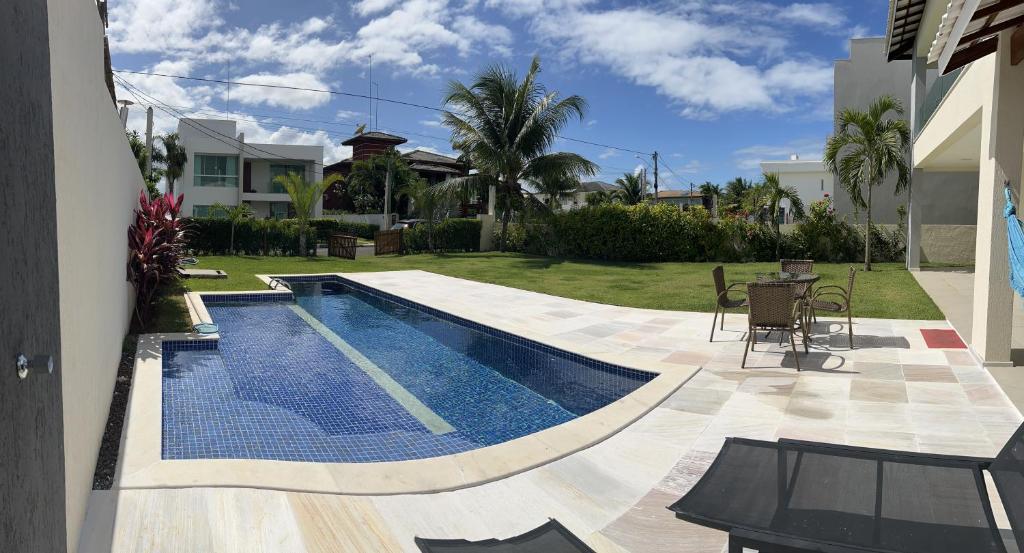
375,136
663,194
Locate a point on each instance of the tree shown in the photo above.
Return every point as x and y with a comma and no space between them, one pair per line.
867,147
176,158
366,183
600,197
631,189
765,201
735,192
304,196
555,190
138,146
430,203
234,214
507,127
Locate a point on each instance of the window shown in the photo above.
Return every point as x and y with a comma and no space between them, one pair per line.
280,210
201,211
216,171
283,169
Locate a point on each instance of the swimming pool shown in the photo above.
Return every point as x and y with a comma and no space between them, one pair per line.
340,372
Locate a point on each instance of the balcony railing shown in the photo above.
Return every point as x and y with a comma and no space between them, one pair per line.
933,99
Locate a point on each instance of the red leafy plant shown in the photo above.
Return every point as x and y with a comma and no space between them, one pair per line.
155,247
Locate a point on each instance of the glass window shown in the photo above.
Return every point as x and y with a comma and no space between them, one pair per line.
200,211
280,210
283,169
216,171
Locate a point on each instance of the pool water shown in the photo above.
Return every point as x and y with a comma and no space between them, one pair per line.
345,373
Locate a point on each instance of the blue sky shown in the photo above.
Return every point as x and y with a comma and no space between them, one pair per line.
713,86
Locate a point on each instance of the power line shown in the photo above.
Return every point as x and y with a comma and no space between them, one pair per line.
353,95
234,142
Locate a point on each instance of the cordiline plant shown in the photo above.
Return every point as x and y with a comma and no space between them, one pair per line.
155,241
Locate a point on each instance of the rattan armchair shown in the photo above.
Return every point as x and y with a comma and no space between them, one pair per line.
722,299
835,299
774,306
796,265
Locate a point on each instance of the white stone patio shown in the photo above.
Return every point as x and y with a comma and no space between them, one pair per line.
892,391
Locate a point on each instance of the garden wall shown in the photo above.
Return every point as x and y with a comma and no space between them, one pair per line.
97,184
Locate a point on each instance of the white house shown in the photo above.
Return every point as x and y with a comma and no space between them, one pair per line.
809,177
223,168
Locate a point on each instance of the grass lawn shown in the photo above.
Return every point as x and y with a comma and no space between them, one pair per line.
888,291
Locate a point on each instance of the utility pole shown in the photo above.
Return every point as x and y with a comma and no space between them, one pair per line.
149,142
655,156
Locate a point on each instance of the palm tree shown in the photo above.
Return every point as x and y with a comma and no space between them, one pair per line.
711,192
735,192
430,203
175,158
234,214
555,190
765,200
304,196
601,197
631,188
866,148
507,127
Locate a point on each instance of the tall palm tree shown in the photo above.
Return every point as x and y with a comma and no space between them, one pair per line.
304,196
507,127
631,188
867,147
601,197
555,190
765,200
234,214
175,158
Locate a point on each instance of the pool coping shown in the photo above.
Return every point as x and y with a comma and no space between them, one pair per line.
141,465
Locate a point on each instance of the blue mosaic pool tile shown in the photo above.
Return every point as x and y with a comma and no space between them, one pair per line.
275,388
247,298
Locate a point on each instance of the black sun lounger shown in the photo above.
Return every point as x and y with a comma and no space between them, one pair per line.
551,537
794,496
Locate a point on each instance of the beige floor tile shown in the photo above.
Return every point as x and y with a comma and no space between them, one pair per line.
882,391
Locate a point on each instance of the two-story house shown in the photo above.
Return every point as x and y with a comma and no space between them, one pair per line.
223,168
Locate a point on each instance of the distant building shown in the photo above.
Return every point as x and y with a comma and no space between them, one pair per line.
809,177
223,168
579,197
684,199
431,167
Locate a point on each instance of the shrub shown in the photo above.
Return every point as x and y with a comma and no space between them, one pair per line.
453,235
154,243
662,232
327,227
211,236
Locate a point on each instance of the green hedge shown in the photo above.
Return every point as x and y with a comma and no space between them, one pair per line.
327,227
452,235
662,232
212,236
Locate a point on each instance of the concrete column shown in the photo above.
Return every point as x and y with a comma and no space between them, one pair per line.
917,95
1002,150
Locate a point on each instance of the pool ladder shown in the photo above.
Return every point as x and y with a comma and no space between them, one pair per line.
277,281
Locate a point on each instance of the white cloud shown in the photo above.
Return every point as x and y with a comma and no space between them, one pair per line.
709,58
497,37
608,153
433,123
281,97
750,158
152,26
369,7
345,114
824,15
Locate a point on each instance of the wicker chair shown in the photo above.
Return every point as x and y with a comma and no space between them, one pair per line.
722,299
774,306
796,265
835,299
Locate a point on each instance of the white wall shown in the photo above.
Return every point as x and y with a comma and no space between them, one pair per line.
810,179
97,184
